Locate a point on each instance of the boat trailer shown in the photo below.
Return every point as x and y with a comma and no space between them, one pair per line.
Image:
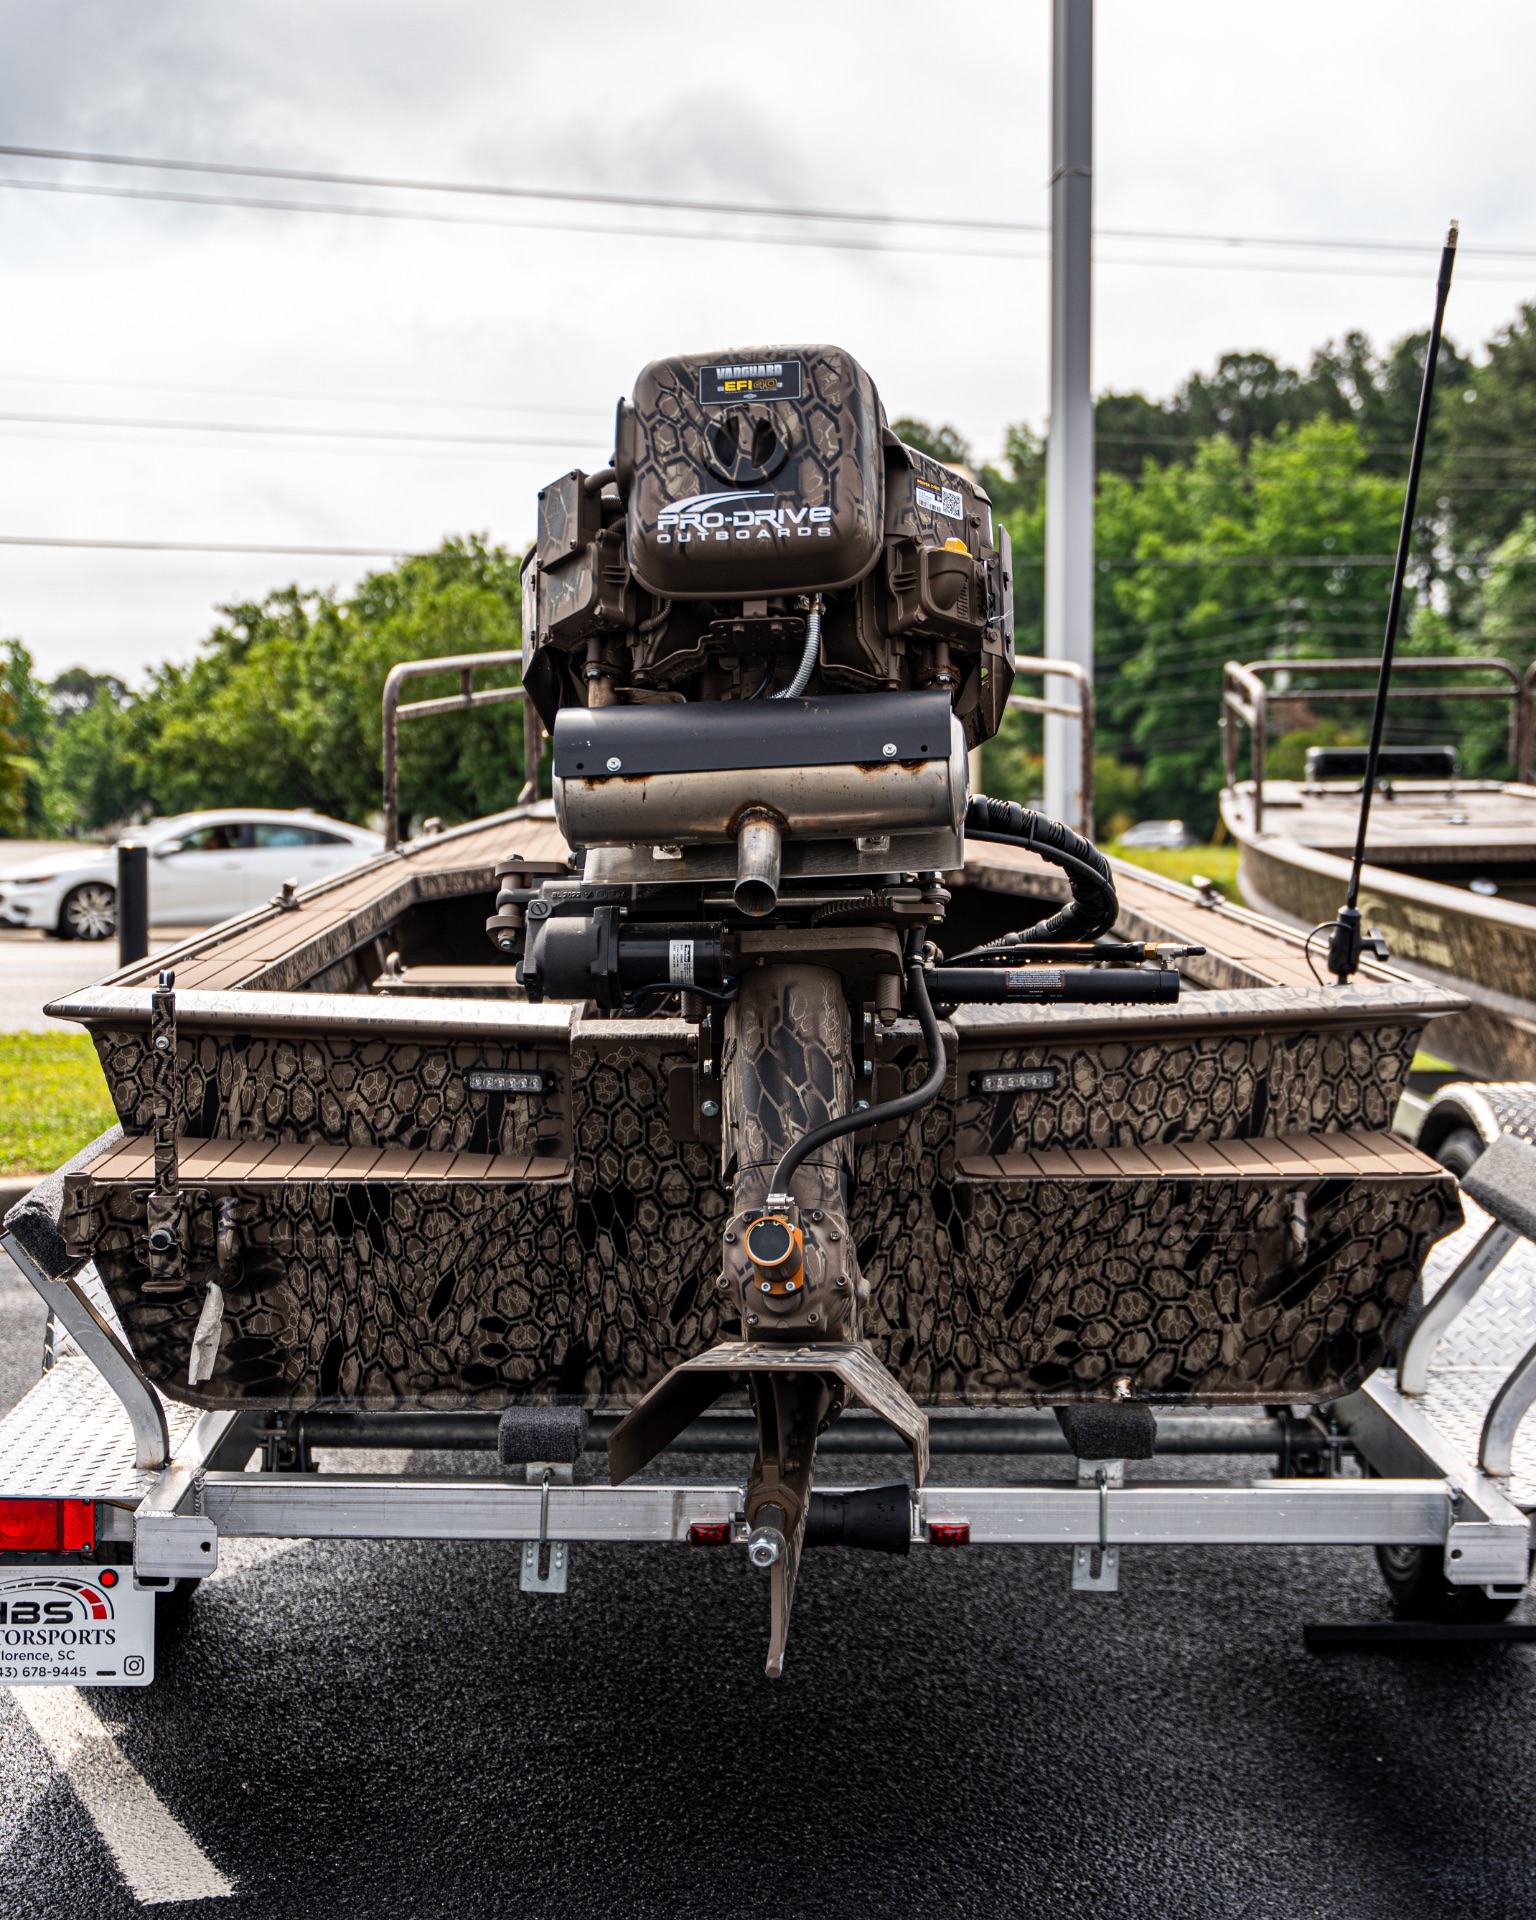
133,1493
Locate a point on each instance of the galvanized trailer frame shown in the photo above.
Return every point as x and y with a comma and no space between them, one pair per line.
1442,1460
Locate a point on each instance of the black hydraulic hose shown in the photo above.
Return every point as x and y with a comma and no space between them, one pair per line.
855,1122
1093,908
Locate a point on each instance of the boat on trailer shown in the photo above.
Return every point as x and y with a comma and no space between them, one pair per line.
799,1103
1450,873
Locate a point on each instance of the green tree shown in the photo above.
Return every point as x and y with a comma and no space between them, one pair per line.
1487,464
939,443
28,729
1213,558
282,705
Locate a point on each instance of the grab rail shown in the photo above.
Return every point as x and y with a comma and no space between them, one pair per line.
1239,680
1083,713
465,665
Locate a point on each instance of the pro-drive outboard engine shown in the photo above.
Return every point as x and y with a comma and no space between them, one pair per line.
763,641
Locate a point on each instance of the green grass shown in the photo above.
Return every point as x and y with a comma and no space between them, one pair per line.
1216,863
53,1100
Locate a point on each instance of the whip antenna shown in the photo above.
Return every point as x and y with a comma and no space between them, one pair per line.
1347,944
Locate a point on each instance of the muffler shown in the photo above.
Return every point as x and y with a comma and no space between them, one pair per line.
696,773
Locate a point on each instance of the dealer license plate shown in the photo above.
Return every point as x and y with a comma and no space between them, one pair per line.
75,1626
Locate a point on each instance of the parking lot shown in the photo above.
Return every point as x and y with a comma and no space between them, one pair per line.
395,1728
35,969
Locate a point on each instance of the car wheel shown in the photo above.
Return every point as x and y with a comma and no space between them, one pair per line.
89,912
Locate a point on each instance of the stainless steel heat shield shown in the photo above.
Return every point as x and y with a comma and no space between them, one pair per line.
830,768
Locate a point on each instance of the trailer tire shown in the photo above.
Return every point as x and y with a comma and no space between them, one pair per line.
1458,1150
173,1603
1415,1578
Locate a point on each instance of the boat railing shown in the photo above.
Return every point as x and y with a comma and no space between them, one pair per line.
465,665
1246,696
1082,713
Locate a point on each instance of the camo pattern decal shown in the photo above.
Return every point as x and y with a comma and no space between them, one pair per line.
1195,1289
399,1294
1214,1086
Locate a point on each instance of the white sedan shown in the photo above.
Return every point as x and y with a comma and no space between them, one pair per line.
202,867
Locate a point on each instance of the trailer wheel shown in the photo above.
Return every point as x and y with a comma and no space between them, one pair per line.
174,1603
1458,1150
1415,1578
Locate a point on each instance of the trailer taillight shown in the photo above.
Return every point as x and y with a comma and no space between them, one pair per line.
709,1533
949,1533
47,1526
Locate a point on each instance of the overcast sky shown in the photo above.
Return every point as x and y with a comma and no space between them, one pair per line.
1374,119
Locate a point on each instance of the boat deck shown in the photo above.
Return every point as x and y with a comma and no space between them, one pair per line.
1414,823
281,949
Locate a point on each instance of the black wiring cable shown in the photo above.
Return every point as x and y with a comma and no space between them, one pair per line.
1094,906
665,987
1322,927
903,1104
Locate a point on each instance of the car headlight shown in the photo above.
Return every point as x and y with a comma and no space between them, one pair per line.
34,880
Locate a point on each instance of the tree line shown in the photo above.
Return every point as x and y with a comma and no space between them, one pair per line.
1249,515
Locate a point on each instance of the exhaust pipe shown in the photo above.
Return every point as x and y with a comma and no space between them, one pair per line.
759,854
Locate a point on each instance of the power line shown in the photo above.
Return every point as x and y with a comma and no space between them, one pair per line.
475,404
210,546
841,243
288,430
779,210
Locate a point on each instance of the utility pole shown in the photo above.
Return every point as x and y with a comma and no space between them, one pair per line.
1069,446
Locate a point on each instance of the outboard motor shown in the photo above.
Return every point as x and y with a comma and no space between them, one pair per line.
764,640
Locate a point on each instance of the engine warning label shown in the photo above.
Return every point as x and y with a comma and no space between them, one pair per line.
76,1626
751,380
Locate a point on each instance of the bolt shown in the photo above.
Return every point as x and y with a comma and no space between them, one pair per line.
841,1281
861,1106
889,749
816,1213
506,944
614,763
751,1319
730,1236
812,1318
834,1234
766,1285
163,1042
710,1109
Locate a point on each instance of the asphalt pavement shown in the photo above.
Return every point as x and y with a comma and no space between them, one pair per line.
35,968
395,1729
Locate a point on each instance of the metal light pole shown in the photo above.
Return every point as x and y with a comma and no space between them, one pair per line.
1069,447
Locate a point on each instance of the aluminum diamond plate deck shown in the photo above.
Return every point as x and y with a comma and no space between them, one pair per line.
1481,1348
69,1438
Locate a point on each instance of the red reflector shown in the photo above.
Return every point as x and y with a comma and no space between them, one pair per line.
47,1526
709,1533
949,1533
